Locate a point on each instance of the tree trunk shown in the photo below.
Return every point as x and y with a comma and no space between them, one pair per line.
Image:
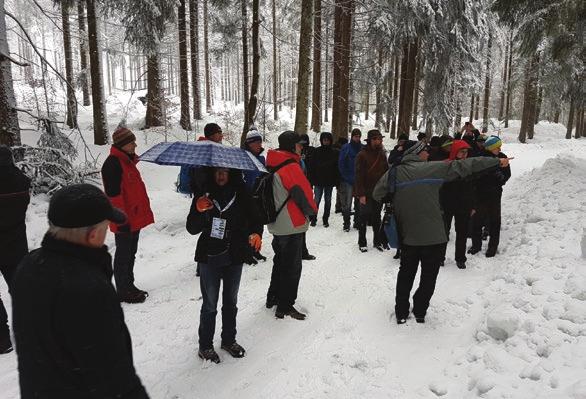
275,65
509,83
100,121
538,105
154,113
71,120
366,101
208,74
408,67
528,118
579,115
316,86
504,84
327,68
246,87
570,119
9,127
486,103
477,108
341,76
395,95
471,116
83,78
194,46
416,94
185,120
533,96
304,67
253,99
380,84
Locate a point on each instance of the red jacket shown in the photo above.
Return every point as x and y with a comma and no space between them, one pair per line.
295,183
126,190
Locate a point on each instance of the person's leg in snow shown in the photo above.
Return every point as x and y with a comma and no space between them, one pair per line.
273,291
126,247
494,226
327,205
289,274
430,256
375,221
410,257
448,216
461,222
231,283
5,343
209,283
477,223
318,192
345,196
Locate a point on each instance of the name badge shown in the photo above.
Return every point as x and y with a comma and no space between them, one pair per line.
218,228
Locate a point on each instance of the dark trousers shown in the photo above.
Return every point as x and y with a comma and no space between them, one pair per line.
319,192
209,282
369,215
487,213
286,270
461,221
126,247
10,256
430,257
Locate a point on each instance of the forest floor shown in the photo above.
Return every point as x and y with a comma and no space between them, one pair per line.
513,326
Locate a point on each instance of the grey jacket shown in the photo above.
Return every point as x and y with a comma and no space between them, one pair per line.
416,202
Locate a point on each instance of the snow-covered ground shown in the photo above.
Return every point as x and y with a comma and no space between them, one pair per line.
513,326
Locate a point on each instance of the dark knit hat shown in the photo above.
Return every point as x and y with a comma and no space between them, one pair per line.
304,139
211,128
122,136
287,141
421,136
374,133
82,205
414,147
6,158
403,136
326,135
356,132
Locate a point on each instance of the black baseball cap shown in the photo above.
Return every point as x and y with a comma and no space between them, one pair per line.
82,205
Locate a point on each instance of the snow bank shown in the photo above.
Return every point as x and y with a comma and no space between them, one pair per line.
532,340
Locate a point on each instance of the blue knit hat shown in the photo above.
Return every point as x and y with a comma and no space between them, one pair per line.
492,143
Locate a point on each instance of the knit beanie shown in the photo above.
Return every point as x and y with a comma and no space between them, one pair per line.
287,141
210,129
492,143
123,136
253,136
356,132
414,147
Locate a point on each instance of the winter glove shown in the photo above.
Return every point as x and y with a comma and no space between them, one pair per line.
255,242
124,228
203,204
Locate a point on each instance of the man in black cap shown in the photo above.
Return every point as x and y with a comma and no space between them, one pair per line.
14,200
71,339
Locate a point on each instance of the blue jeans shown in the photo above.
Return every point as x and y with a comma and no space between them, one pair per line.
209,282
319,191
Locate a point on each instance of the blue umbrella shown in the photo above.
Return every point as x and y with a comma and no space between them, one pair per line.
202,153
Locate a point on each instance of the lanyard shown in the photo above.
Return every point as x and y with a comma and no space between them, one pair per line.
227,206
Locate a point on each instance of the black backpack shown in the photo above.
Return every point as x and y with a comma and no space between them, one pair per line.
263,195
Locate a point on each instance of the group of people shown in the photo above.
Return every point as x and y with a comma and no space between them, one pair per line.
70,333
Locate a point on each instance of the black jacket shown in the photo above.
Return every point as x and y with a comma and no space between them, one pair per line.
14,200
489,187
322,167
458,196
241,221
71,339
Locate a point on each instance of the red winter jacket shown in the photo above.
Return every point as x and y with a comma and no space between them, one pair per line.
126,190
290,180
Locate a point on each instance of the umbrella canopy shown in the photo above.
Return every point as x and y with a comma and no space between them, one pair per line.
202,153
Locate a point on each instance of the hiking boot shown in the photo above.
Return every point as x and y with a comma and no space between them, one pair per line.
5,344
326,223
234,350
133,287
490,252
132,296
292,312
209,355
259,256
397,254
271,302
313,222
346,229
308,257
401,321
461,265
380,247
473,250
363,249
420,320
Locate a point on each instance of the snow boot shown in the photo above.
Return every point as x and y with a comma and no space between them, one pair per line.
346,229
490,252
363,249
397,254
132,296
326,223
133,287
401,321
234,350
473,250
380,247
271,301
461,265
308,257
313,221
292,312
420,320
209,355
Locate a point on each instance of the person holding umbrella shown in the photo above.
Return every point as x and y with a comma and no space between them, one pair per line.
226,218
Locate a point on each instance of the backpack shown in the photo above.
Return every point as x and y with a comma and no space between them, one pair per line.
263,195
184,180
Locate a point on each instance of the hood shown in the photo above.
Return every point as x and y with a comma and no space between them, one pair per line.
275,157
457,146
326,135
